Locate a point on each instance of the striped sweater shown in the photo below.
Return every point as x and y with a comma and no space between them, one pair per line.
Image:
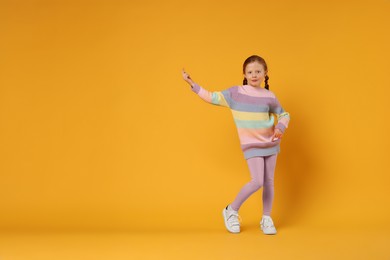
253,110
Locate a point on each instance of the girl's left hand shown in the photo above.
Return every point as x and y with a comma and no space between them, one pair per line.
277,134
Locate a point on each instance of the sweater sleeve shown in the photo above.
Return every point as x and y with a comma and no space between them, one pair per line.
219,98
282,116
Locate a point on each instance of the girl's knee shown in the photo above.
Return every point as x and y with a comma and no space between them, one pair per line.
256,184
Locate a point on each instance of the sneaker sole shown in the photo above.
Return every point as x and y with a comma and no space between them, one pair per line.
226,225
268,233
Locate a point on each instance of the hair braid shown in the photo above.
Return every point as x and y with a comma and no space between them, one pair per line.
266,82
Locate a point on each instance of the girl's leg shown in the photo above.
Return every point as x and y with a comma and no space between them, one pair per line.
256,168
268,189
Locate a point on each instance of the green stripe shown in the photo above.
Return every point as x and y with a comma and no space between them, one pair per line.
215,98
255,123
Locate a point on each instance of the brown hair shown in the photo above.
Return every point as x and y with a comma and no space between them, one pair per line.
260,60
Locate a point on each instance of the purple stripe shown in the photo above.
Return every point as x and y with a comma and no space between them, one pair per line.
245,147
281,126
262,152
238,97
195,88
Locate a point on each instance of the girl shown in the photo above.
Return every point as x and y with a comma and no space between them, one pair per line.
253,109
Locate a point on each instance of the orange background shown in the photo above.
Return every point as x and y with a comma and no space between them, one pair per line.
98,130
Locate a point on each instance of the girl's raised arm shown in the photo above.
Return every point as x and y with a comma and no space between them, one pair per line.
219,98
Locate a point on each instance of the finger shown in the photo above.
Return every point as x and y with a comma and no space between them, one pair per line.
277,136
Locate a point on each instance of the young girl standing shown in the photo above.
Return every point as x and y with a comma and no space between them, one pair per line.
253,109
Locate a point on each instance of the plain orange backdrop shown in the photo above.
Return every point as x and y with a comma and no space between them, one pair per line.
98,130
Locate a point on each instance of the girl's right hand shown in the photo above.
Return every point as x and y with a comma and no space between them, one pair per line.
187,77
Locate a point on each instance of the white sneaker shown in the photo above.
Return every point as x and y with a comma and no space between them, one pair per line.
232,219
267,225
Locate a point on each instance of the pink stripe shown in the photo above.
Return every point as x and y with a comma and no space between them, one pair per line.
284,120
248,135
255,92
206,95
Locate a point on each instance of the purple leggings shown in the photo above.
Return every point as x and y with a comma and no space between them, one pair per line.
262,170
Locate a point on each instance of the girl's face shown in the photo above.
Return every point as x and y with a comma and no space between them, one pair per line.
254,74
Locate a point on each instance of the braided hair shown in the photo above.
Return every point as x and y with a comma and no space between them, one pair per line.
260,60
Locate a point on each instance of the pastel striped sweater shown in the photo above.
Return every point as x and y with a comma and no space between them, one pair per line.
253,110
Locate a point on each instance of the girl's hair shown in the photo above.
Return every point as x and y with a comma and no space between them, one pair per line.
260,60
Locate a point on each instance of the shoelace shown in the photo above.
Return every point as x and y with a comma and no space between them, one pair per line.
234,219
268,222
